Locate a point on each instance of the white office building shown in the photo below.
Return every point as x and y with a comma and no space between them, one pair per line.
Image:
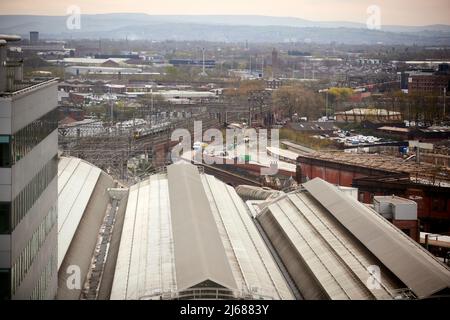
28,183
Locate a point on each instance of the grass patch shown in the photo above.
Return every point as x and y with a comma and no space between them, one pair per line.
306,140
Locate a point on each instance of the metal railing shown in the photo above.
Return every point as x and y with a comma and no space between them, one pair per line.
24,87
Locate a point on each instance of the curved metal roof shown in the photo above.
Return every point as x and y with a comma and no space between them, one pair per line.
412,264
184,229
76,183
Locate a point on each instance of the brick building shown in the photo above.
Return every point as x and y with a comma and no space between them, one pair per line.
430,82
383,179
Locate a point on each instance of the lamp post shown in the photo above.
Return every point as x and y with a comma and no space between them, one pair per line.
445,96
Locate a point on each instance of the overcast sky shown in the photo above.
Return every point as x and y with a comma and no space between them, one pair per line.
393,12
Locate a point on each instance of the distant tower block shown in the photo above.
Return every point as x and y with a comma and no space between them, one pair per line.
274,61
203,73
34,37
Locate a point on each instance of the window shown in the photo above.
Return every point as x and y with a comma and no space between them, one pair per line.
5,284
26,258
5,214
25,200
24,140
5,151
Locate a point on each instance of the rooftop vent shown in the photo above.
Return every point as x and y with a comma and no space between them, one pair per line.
396,208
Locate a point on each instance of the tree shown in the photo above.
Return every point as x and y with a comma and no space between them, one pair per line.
298,99
338,95
243,89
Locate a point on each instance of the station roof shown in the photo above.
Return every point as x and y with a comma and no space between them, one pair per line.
76,183
184,229
339,239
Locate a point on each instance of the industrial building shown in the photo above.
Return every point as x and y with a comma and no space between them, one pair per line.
83,70
208,63
28,182
430,82
335,247
188,235
379,175
373,115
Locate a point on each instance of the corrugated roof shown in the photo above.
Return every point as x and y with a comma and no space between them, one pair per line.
183,228
76,182
412,264
199,252
322,257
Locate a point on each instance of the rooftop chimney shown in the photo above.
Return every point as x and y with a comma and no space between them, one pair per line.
5,74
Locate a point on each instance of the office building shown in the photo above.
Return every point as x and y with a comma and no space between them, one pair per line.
28,183
34,37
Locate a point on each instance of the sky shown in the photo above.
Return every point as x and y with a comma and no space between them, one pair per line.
393,12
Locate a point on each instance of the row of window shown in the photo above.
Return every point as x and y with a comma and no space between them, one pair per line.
5,213
39,292
23,263
25,200
15,147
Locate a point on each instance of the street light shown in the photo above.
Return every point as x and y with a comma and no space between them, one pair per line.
445,96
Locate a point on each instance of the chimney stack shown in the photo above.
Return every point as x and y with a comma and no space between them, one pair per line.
4,66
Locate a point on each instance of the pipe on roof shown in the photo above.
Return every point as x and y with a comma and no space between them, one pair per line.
255,193
10,38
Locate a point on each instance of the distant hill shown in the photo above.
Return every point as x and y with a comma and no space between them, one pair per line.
222,28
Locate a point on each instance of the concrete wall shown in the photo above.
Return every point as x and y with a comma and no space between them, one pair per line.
32,105
83,244
110,265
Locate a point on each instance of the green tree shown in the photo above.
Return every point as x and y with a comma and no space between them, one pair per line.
339,95
299,99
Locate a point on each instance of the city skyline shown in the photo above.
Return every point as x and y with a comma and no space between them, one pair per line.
418,13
